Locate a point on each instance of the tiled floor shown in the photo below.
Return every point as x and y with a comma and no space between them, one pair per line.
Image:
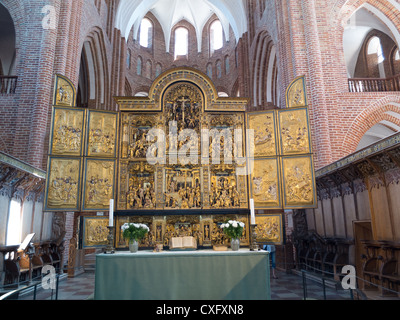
290,287
286,287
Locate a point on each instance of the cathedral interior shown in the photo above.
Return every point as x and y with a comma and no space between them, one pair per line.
184,114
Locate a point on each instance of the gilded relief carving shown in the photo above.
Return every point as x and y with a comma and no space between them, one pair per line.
224,189
182,103
263,125
63,184
296,94
294,132
183,188
141,190
185,181
95,232
68,130
64,92
226,137
99,184
102,133
205,229
183,106
265,183
298,181
269,229
136,128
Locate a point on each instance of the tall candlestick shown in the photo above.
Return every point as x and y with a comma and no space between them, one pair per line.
253,213
111,215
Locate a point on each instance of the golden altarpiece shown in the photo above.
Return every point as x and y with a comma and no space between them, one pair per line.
181,160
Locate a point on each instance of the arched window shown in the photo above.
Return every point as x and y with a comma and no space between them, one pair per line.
148,69
219,69
7,52
216,36
146,33
209,70
395,59
181,42
128,59
227,65
375,47
139,66
158,69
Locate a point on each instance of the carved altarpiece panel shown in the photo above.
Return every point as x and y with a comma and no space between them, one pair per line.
191,178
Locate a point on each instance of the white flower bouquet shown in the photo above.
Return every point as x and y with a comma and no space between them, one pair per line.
233,229
134,231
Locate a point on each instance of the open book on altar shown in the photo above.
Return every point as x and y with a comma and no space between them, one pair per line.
183,243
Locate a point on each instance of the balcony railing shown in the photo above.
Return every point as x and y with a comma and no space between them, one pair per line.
375,84
8,84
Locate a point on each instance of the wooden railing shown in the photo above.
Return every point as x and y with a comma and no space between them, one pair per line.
8,84
374,84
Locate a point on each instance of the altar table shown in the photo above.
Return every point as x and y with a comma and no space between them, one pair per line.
195,275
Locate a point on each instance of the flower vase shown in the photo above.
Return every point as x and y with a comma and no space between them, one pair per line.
133,246
235,244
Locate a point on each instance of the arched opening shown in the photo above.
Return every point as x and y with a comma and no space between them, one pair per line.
209,70
378,132
227,65
139,66
149,69
218,66
265,73
368,42
82,97
128,59
158,69
93,80
216,36
395,61
8,79
380,123
146,33
181,42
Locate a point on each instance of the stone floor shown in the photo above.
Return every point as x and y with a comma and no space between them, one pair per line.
286,287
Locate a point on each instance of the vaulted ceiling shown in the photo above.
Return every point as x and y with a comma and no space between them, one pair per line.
231,13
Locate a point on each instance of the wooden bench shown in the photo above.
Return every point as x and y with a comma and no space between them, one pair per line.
336,257
389,276
11,265
381,267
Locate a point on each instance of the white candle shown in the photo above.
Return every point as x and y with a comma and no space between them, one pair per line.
111,215
253,213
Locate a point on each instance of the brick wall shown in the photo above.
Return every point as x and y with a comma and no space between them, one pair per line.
157,55
307,36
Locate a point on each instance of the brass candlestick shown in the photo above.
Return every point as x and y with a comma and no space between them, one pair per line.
110,246
253,246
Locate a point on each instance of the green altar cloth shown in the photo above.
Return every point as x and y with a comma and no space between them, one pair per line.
197,275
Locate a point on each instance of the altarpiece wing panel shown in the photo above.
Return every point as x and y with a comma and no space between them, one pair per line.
298,177
102,134
63,185
99,184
